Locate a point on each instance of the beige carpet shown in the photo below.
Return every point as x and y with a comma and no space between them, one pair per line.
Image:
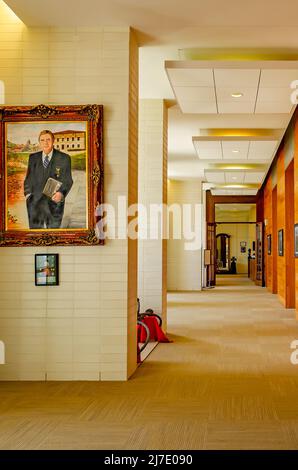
226,382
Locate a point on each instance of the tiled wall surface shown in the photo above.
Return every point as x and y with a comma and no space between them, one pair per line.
184,267
152,279
77,330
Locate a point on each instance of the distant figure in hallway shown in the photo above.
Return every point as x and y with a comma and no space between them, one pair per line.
233,265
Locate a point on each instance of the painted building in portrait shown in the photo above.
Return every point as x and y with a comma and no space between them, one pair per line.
71,141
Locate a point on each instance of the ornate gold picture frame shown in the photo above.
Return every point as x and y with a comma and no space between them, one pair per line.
51,174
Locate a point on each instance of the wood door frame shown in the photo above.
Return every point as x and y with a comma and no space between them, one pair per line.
289,236
211,201
274,239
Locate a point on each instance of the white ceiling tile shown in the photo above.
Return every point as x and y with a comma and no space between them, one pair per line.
262,150
250,192
274,107
225,94
214,177
251,177
236,107
229,148
234,177
191,77
192,93
233,192
219,192
208,150
277,78
236,78
198,107
273,94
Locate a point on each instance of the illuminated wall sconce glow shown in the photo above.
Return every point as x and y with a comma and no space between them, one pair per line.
236,95
235,186
2,92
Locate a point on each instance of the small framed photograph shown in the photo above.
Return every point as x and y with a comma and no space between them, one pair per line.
296,240
269,244
46,270
280,242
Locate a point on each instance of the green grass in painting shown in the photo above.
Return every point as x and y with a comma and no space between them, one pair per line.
17,162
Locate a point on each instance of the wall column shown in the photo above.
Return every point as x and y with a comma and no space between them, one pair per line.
152,272
85,328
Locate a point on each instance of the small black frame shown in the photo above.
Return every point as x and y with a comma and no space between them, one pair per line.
280,242
296,240
269,244
47,269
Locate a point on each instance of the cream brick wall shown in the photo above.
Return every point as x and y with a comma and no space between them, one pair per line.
184,267
78,330
152,280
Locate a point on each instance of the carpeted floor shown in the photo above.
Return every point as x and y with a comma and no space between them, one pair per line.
226,382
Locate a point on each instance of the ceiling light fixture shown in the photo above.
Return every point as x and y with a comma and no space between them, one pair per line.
236,95
235,186
235,151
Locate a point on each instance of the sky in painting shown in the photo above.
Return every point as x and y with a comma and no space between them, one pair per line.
21,132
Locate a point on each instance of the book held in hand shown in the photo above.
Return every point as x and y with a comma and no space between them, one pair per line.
51,187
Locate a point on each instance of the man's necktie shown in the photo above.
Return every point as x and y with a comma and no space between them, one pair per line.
46,161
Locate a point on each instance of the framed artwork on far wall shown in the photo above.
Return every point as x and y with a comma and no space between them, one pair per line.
296,240
280,242
269,244
46,270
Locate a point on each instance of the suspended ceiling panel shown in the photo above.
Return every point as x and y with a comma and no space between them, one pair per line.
239,150
230,192
208,87
241,177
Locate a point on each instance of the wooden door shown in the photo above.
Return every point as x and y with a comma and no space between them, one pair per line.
289,236
211,245
274,240
259,255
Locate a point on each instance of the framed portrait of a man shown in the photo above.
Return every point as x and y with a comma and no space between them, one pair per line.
52,167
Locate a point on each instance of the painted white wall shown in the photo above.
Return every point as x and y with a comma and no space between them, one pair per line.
152,188
185,267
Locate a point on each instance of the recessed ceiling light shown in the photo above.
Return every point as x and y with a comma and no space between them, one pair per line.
236,95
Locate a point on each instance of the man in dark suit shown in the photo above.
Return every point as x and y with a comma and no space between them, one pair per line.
44,211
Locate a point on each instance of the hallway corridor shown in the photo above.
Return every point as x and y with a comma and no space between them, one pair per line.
233,350
226,382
